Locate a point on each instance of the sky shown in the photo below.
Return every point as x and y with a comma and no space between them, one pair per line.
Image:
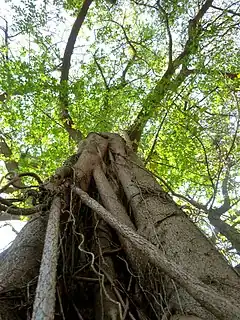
7,235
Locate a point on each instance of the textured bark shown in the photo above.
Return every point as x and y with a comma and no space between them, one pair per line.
20,264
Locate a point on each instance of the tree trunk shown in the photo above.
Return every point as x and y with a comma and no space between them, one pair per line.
125,250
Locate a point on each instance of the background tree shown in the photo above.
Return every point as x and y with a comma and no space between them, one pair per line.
164,76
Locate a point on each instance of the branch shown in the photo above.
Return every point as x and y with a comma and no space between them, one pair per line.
131,61
227,204
230,75
22,211
101,72
155,139
6,202
235,133
193,35
75,134
180,196
125,35
227,10
207,163
6,37
11,226
226,200
170,42
165,84
128,66
72,40
225,229
16,181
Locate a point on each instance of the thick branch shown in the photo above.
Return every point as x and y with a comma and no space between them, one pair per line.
214,215
226,200
225,229
75,134
16,180
72,39
153,99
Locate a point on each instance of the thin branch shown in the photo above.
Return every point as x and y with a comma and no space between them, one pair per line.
226,10
155,139
226,204
235,134
170,42
125,35
207,163
230,75
101,72
6,37
180,196
15,179
130,43
11,226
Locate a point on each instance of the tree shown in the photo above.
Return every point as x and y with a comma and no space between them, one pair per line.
105,239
